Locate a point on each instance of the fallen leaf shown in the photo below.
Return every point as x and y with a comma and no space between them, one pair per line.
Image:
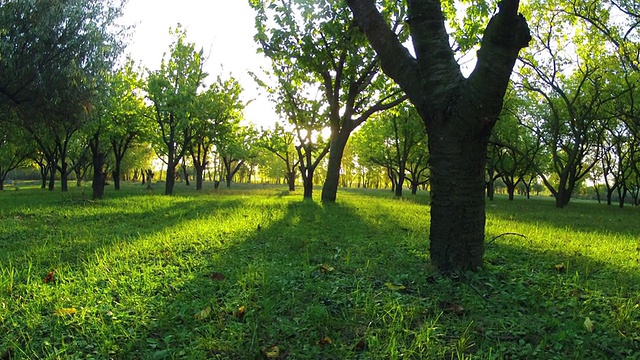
204,313
560,268
325,341
394,287
49,278
272,352
326,268
216,276
240,313
65,311
588,324
450,307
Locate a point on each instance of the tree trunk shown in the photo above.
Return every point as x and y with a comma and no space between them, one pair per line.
336,150
291,180
199,177
457,201
307,183
52,178
98,176
491,190
116,176
43,174
171,179
186,174
400,183
64,176
511,189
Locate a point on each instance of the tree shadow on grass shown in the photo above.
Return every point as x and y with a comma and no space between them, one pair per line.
346,281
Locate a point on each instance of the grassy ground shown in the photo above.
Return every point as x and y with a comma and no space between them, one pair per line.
257,273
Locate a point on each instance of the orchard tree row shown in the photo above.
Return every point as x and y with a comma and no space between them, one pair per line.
69,105
456,93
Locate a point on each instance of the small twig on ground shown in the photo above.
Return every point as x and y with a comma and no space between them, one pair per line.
504,234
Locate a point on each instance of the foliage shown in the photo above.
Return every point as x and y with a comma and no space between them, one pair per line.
173,90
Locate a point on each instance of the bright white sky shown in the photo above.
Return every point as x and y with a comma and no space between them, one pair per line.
223,28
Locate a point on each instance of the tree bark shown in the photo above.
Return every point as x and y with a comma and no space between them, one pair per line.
336,151
291,180
459,113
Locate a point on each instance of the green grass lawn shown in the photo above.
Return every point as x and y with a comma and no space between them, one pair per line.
255,272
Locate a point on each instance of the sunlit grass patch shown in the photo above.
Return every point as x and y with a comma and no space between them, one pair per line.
255,273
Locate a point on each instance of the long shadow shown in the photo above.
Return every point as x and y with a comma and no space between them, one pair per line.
344,281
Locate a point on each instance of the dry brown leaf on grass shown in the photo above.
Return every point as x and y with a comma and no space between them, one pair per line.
50,277
216,276
325,341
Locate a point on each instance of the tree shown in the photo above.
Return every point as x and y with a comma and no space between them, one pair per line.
393,140
295,101
459,113
173,91
15,147
324,43
217,109
236,147
281,142
45,44
127,119
571,94
53,58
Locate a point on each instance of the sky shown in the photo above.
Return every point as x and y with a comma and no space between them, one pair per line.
223,28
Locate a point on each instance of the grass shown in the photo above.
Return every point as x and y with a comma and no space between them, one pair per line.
254,272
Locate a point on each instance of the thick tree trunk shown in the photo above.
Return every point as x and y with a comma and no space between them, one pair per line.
563,197
336,151
457,201
511,189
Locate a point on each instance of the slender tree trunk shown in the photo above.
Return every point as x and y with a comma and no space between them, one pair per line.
116,176
43,174
336,151
64,176
308,184
185,173
291,180
171,179
491,190
98,175
199,176
52,178
400,183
